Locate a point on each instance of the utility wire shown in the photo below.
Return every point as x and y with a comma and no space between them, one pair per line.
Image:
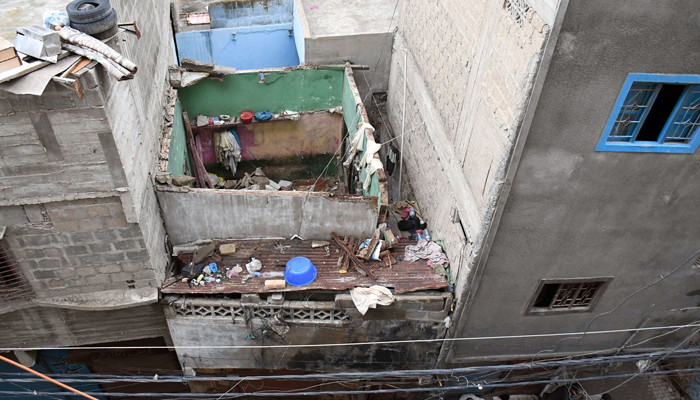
470,386
351,344
488,369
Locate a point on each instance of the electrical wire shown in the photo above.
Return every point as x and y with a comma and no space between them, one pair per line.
445,389
352,344
20,377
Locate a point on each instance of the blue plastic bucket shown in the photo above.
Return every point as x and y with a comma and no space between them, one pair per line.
300,271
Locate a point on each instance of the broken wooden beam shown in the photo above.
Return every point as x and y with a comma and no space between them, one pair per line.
352,256
366,253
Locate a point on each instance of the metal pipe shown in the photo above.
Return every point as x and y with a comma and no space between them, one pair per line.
18,365
403,118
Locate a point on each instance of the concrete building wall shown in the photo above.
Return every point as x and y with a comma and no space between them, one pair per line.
573,212
55,146
470,69
197,324
135,112
55,327
244,214
81,246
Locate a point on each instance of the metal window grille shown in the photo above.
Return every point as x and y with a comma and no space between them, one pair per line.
13,286
685,122
517,9
566,295
633,111
575,295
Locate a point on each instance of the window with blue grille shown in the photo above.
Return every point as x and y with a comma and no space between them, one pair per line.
655,114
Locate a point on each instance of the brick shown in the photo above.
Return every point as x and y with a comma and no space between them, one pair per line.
82,237
66,226
133,266
105,235
51,263
76,250
66,273
92,224
99,280
126,245
98,211
33,253
115,222
113,257
137,255
57,283
109,269
53,252
44,274
101,247
130,232
86,271
39,240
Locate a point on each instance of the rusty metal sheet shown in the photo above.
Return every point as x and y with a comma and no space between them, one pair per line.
403,277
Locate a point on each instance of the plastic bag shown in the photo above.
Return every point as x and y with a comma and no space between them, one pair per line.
54,18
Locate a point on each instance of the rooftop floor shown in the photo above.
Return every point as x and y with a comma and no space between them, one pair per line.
16,13
403,277
349,17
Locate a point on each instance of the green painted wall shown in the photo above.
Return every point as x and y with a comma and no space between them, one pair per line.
178,144
352,119
297,90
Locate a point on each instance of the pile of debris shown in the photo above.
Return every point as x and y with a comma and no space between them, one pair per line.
357,252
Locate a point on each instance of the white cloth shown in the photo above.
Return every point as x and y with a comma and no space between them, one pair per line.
374,165
366,298
358,142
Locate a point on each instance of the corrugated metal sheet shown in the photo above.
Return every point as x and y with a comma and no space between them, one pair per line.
403,277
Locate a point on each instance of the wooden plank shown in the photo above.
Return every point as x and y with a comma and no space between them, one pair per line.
352,256
26,68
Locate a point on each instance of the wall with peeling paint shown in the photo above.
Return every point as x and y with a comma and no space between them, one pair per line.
244,48
298,90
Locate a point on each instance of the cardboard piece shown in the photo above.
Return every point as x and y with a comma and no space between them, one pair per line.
7,50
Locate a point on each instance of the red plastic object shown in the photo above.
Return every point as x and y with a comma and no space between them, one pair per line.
247,116
404,214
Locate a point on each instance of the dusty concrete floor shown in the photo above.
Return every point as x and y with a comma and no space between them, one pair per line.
15,13
348,17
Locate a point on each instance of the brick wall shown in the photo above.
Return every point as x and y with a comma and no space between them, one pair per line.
50,146
135,111
470,69
79,246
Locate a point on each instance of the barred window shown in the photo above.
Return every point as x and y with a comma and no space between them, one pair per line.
569,295
517,9
13,286
655,113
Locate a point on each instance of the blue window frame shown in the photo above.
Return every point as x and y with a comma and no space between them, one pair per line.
655,114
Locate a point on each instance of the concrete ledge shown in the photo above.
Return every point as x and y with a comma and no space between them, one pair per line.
102,301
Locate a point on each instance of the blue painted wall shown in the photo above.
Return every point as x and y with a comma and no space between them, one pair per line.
299,33
254,47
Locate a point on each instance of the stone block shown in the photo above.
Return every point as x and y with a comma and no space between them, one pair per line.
113,257
137,255
101,247
82,237
44,274
125,245
227,249
105,235
76,250
130,232
109,269
49,263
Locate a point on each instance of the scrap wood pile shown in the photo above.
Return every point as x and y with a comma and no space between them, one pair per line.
357,253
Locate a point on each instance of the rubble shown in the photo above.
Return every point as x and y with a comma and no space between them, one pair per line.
183,180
